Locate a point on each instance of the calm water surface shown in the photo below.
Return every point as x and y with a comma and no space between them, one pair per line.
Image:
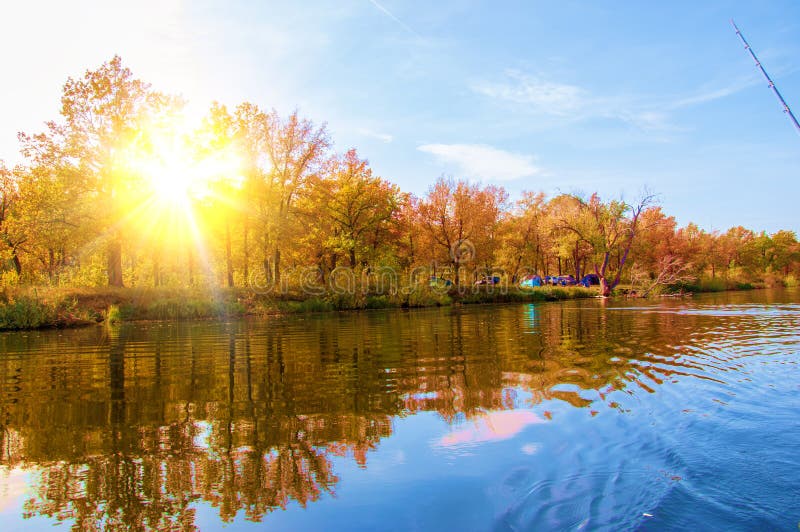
577,415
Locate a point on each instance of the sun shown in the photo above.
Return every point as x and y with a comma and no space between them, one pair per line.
173,179
175,173
168,170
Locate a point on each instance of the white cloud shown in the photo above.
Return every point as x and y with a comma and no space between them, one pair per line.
383,137
709,95
536,94
543,96
480,161
645,120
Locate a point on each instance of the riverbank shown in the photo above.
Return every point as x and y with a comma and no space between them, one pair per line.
34,308
48,307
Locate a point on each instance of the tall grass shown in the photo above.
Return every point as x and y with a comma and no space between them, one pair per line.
313,304
22,311
544,293
71,307
717,284
25,313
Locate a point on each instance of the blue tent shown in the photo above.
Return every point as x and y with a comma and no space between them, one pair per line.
531,281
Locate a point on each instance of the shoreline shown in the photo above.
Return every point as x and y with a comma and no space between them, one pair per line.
63,308
59,308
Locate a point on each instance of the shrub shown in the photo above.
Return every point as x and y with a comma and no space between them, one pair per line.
526,295
421,295
346,300
8,279
382,301
26,313
117,313
314,304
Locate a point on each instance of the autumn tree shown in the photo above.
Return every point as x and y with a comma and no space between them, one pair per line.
217,135
102,114
273,195
358,206
568,246
610,229
247,202
407,230
524,235
460,219
783,252
47,223
296,150
9,197
250,138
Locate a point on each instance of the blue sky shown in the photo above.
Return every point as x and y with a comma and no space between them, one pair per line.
569,96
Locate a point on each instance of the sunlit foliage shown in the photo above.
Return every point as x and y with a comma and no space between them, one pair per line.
124,189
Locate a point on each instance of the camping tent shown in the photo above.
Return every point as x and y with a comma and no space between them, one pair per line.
531,281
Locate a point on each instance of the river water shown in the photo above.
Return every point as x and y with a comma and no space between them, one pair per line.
667,414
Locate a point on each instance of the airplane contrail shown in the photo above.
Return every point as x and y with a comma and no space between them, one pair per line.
393,17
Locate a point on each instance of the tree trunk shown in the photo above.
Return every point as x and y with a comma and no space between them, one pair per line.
16,263
228,258
115,264
51,263
277,266
156,270
267,269
246,269
517,267
605,288
191,268
352,257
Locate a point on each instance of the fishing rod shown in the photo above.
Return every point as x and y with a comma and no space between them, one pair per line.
769,80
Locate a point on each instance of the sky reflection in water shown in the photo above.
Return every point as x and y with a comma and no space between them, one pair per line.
576,414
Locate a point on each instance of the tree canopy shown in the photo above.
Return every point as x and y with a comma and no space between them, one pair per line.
121,189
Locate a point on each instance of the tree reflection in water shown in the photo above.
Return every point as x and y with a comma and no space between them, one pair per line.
128,427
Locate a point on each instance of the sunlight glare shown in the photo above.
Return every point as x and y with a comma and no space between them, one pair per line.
176,173
179,176
172,181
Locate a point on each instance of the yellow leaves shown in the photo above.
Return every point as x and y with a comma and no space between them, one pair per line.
353,208
124,164
456,212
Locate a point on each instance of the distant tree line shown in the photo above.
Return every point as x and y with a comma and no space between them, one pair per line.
87,208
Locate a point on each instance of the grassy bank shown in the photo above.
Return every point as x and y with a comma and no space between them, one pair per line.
736,282
43,307
32,308
715,285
